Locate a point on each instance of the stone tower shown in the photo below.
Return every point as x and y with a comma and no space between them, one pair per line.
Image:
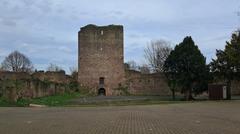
100,59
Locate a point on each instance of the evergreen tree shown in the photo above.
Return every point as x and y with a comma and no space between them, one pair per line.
227,64
185,68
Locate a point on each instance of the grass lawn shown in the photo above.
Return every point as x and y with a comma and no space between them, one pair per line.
56,100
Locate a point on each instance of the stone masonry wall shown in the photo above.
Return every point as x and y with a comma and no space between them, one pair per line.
101,56
147,84
235,88
39,84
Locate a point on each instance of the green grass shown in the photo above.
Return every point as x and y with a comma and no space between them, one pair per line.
3,102
56,100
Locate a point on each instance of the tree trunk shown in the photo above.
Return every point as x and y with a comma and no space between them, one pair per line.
188,95
173,94
229,83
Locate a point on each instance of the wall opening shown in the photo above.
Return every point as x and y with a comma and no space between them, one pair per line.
101,82
102,92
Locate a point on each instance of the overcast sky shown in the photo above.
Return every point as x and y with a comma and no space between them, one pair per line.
46,30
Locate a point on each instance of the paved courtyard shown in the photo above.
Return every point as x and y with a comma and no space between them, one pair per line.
185,118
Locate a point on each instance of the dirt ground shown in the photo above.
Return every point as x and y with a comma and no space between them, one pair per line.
183,118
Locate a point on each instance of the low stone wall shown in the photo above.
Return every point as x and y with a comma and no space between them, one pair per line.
235,88
146,84
156,84
22,85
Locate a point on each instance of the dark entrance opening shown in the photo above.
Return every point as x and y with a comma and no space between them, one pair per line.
101,92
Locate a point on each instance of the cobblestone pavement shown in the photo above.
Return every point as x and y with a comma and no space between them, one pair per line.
102,99
186,118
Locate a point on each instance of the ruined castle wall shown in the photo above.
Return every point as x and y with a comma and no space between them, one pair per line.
5,75
57,77
146,84
39,84
101,55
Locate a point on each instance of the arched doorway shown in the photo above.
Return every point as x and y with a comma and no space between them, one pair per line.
102,92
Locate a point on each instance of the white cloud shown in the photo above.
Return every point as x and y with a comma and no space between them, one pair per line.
47,30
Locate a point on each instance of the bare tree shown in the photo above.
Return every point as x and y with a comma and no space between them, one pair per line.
54,68
156,53
74,72
126,66
1,68
144,69
17,62
131,65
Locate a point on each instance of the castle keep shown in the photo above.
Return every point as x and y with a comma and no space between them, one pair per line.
101,58
101,70
101,65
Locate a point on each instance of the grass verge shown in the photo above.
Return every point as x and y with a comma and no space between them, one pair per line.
56,100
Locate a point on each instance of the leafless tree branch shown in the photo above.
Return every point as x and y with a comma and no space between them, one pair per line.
156,53
17,62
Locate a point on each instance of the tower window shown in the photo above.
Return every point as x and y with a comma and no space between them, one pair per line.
101,80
